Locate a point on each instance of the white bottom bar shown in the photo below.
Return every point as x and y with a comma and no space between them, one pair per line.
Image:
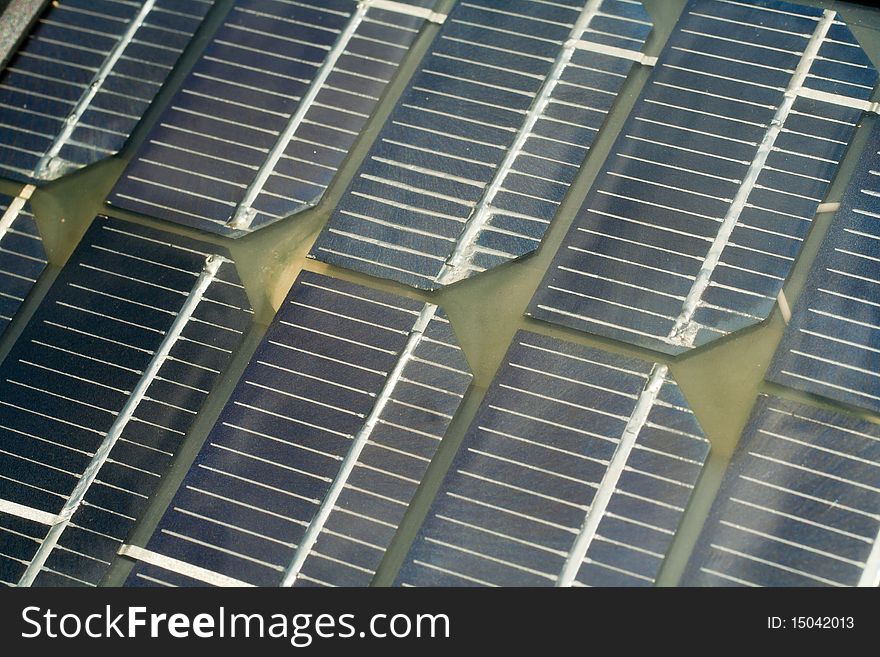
613,51
179,567
784,308
14,208
409,10
28,513
839,99
827,207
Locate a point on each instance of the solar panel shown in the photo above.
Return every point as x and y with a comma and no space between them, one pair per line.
798,505
487,138
314,460
83,78
690,230
832,344
22,257
269,112
575,472
99,391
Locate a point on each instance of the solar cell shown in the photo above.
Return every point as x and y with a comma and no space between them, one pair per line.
690,230
832,344
83,78
99,391
798,505
312,464
269,112
575,472
474,161
22,257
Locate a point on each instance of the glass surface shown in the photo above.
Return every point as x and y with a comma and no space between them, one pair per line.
721,381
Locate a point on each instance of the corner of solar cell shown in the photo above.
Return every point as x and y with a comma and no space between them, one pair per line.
53,169
645,16
262,220
15,178
846,26
472,274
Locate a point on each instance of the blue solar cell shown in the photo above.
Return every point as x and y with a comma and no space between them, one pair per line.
798,504
22,257
314,460
831,345
268,114
21,539
84,77
472,165
119,356
690,230
576,471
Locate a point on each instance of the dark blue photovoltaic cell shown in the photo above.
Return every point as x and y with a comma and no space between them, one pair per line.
482,147
532,463
692,227
213,160
72,371
798,505
832,344
268,465
20,540
71,50
22,257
